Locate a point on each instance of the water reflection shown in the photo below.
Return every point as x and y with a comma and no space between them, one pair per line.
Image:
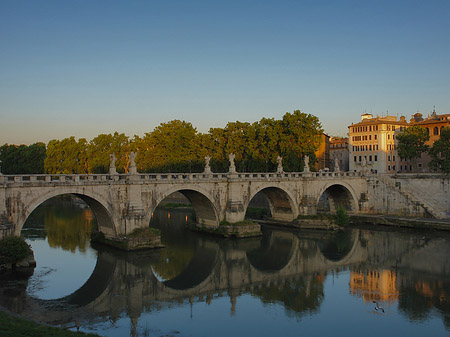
65,221
201,285
59,232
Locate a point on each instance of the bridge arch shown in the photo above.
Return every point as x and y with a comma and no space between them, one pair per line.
206,211
333,256
339,194
281,202
267,259
95,201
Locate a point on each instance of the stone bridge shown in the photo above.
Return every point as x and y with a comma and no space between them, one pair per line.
123,202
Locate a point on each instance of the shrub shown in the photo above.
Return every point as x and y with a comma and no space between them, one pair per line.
13,249
341,216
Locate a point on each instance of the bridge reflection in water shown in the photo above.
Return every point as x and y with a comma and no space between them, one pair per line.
281,268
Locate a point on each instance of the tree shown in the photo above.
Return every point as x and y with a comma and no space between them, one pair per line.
440,152
22,159
66,156
301,135
101,147
173,146
412,142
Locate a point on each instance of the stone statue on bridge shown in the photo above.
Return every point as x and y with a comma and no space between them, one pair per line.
207,167
231,157
133,169
306,168
280,164
112,164
336,165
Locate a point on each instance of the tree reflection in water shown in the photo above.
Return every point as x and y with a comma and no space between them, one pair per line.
300,297
66,222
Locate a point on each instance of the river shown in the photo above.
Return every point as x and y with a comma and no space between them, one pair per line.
357,282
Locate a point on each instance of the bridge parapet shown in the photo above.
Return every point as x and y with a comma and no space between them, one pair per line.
165,177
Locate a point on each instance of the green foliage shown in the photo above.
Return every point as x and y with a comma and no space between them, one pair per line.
17,327
440,152
411,142
341,216
22,159
13,249
256,212
176,146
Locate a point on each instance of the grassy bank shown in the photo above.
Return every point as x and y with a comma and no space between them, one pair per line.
18,327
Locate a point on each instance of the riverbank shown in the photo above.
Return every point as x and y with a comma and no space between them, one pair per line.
13,326
397,221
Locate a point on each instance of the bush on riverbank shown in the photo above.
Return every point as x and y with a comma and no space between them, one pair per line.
342,218
13,249
18,327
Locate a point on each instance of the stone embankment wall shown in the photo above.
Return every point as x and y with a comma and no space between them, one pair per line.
410,195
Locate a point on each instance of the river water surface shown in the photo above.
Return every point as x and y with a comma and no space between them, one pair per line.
302,283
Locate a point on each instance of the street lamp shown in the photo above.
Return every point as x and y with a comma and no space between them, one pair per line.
76,166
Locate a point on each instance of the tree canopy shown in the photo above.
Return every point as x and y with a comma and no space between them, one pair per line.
177,146
412,142
440,152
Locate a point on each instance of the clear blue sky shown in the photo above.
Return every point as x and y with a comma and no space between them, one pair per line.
81,68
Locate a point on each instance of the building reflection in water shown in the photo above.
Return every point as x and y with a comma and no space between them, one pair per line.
375,285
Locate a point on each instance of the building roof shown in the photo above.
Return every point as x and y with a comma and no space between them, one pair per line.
381,120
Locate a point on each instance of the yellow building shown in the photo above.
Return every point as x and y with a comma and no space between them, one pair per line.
372,143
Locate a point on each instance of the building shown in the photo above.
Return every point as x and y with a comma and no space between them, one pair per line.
339,152
323,154
434,124
372,143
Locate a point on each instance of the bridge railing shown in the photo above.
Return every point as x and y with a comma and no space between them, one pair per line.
165,177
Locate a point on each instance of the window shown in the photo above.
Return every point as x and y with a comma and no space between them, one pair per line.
436,131
370,147
393,167
389,158
370,137
389,167
370,158
375,137
376,158
354,159
389,136
393,158
359,158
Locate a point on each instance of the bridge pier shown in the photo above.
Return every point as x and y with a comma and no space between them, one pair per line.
235,211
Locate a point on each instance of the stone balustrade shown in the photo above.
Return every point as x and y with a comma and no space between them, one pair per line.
80,179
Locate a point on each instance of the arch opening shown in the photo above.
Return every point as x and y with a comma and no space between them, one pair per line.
59,231
271,202
203,210
336,196
336,246
275,251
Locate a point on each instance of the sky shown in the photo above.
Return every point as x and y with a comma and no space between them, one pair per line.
83,68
